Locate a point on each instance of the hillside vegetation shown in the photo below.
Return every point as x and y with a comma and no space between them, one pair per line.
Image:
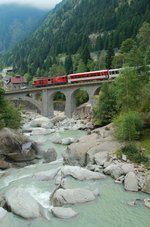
16,23
75,29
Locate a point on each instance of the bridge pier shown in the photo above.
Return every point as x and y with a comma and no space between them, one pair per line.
45,103
46,107
70,105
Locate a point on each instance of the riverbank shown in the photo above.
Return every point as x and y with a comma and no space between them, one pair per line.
64,180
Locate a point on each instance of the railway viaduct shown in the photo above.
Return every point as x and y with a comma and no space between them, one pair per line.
45,105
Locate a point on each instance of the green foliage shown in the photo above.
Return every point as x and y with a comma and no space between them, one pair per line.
81,97
128,126
109,57
57,70
68,65
145,98
81,67
127,45
12,116
143,36
105,108
134,153
85,55
68,27
127,90
9,115
59,96
118,60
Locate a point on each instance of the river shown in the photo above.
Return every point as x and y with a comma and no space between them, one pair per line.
109,210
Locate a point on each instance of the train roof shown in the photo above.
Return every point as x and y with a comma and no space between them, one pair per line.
104,70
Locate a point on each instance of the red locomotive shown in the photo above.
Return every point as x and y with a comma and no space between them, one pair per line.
78,77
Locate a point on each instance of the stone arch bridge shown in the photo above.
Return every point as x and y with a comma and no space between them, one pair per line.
45,105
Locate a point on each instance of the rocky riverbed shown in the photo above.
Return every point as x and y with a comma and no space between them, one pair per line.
90,158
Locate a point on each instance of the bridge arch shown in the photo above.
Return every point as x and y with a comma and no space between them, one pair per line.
29,100
45,104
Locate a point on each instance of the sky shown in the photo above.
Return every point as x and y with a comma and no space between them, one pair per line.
43,4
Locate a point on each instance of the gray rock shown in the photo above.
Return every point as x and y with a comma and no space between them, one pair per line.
50,155
147,203
46,175
82,153
146,187
124,157
57,119
120,180
81,173
4,165
127,168
42,122
67,141
76,153
41,131
131,203
114,170
65,213
101,158
11,140
131,182
56,139
72,196
23,204
118,169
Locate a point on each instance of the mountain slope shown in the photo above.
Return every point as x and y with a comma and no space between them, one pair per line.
16,23
76,24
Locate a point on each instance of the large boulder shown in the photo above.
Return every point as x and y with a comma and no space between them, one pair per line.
116,170
4,165
46,175
56,139
83,111
146,187
81,173
102,150
75,154
67,141
83,152
101,157
50,155
73,196
65,213
41,131
42,122
21,157
15,146
23,204
131,182
11,140
57,119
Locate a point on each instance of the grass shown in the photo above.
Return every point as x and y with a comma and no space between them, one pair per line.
132,150
144,142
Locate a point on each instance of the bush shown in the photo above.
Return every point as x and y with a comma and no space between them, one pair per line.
129,126
12,116
134,153
105,108
9,115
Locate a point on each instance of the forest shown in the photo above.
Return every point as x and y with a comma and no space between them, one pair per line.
79,36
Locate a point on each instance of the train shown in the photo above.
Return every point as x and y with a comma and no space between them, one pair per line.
78,77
